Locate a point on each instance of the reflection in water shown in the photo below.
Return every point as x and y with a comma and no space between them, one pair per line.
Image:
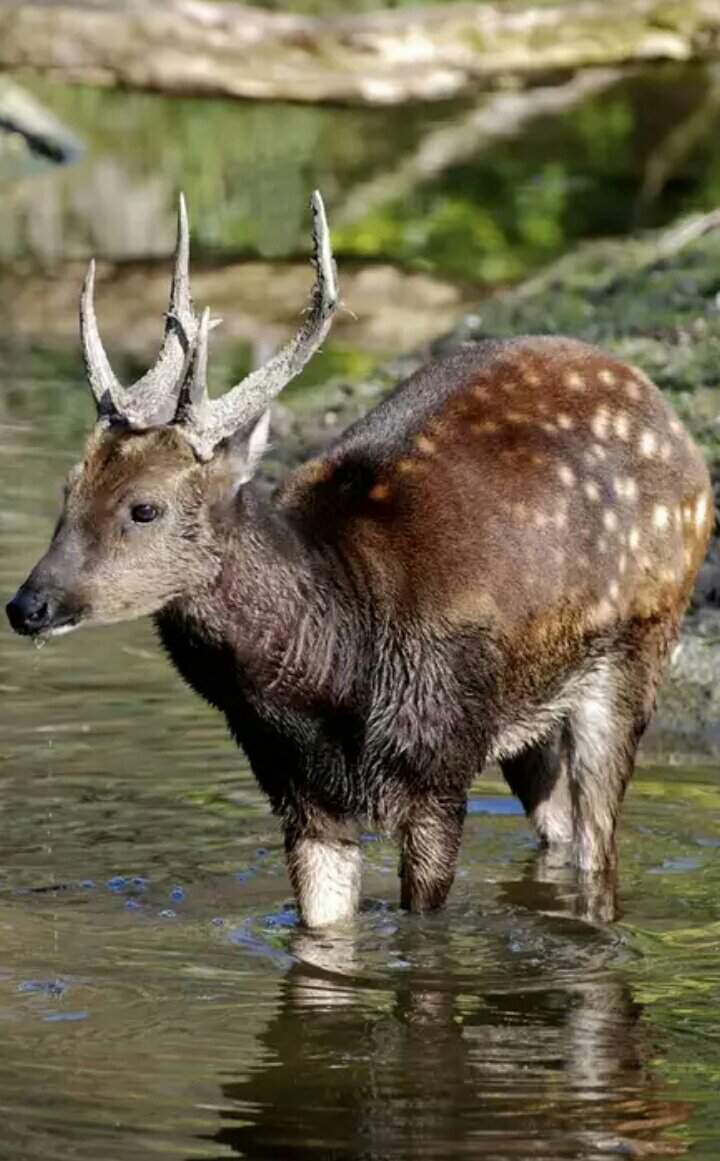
548,1059
551,882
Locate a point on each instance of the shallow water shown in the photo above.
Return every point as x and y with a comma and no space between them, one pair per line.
157,998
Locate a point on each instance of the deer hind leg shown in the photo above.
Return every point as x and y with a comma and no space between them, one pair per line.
606,724
325,872
430,843
539,776
573,782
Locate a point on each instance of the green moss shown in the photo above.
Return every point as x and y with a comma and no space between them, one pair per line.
662,313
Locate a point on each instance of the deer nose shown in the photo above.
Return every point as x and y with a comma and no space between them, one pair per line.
29,611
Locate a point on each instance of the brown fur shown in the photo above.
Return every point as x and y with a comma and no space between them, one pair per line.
492,564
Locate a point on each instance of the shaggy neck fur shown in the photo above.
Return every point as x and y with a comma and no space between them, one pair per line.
272,604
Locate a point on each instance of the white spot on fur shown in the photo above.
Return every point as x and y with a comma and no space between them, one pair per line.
566,474
574,381
626,488
487,427
648,444
621,426
661,517
606,376
634,538
600,423
610,520
592,491
564,421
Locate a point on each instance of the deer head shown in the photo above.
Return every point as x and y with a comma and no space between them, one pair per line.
139,521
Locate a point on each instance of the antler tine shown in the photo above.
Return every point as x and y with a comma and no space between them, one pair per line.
252,395
193,395
155,394
152,400
106,387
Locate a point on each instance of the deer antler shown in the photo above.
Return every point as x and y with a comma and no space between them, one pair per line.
152,400
205,422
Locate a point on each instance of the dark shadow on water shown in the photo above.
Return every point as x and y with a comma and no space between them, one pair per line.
543,1053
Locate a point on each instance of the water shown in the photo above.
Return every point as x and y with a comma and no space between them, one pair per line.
157,998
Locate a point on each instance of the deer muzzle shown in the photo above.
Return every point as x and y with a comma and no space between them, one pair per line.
44,606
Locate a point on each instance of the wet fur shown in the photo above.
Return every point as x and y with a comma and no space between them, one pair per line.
399,634
491,565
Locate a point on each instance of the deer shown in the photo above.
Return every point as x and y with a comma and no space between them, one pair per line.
490,566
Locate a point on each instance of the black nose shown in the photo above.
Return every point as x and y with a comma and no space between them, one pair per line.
29,612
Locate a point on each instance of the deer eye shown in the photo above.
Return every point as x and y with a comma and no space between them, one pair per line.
144,513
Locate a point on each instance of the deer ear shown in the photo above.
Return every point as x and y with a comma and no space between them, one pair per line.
246,447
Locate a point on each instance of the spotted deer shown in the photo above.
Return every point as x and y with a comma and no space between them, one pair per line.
489,566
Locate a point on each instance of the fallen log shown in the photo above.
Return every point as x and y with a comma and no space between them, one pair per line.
384,58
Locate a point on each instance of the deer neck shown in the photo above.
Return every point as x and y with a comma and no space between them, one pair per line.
271,616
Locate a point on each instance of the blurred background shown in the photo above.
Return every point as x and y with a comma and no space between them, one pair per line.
432,204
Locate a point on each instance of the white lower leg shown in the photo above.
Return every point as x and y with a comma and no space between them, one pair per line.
602,764
325,875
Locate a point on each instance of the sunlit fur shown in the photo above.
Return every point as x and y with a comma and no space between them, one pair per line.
110,568
491,565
